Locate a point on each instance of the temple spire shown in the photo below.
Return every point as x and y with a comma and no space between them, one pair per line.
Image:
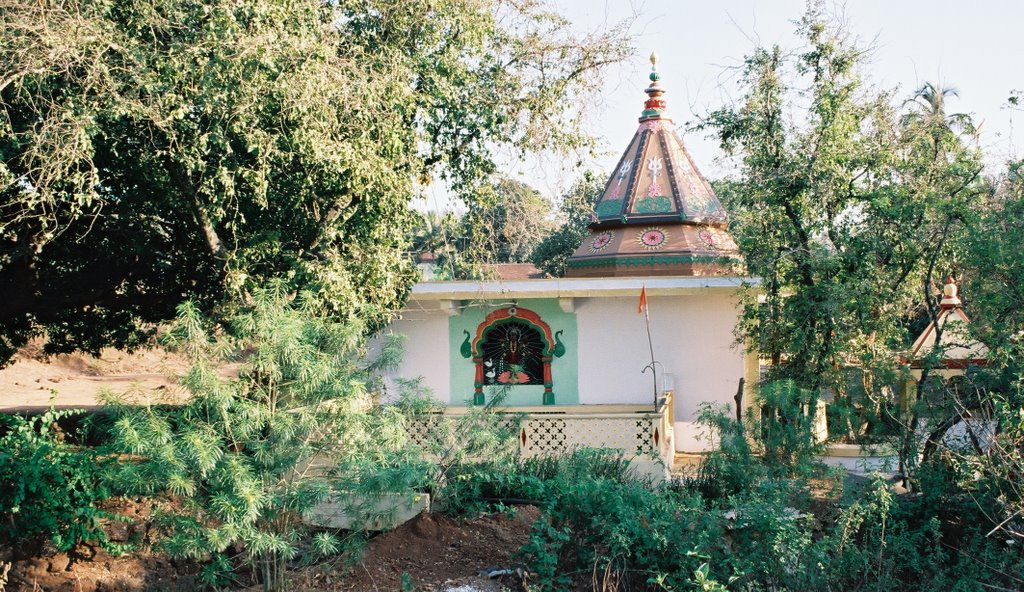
958,349
654,106
657,214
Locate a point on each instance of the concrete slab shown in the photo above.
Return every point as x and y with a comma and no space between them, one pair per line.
387,512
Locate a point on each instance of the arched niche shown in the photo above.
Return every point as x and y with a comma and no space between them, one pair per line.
513,346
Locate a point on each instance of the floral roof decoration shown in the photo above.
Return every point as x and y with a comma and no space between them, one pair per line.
656,184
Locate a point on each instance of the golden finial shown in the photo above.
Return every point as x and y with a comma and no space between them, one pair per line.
950,298
655,105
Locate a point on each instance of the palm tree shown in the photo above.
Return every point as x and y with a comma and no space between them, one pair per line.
929,112
932,101
439,239
429,234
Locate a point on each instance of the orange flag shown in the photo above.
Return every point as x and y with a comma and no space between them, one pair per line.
643,299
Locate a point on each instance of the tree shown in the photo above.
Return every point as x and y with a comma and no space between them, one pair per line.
994,252
152,152
440,239
994,256
846,215
506,221
575,211
930,103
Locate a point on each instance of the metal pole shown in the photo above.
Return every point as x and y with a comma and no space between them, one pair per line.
650,344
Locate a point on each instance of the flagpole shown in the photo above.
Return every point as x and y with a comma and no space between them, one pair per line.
650,342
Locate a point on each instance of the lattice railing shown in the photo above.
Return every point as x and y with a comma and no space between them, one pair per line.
439,431
423,430
633,435
637,435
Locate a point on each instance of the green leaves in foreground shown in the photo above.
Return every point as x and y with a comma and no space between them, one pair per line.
278,397
48,488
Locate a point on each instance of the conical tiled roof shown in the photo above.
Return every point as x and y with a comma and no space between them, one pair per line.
657,214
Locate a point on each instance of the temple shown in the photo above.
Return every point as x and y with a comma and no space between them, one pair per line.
571,355
957,349
657,216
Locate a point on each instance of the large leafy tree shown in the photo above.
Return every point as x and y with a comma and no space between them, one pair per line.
152,151
844,207
575,210
508,219
995,256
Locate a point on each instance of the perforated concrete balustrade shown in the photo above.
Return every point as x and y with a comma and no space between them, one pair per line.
643,437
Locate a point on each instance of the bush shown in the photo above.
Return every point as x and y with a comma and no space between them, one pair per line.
603,527
730,468
749,523
49,489
454,446
785,430
250,453
477,487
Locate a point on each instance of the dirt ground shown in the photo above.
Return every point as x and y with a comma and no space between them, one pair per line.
88,568
439,554
33,381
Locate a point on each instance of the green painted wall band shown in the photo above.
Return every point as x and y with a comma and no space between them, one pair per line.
650,260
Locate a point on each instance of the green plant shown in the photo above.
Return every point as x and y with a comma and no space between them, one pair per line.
729,468
600,525
49,489
250,453
785,428
455,446
702,581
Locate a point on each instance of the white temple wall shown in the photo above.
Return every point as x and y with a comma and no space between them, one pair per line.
692,336
693,339
426,350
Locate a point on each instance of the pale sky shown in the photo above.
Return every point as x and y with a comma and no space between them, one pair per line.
974,46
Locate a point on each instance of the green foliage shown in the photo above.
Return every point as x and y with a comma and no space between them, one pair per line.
874,551
731,467
49,489
757,529
508,222
251,452
505,222
477,487
847,213
171,150
454,445
786,427
575,210
995,253
850,208
440,239
604,526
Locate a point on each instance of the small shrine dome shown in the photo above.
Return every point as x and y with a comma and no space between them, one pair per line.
657,215
958,349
